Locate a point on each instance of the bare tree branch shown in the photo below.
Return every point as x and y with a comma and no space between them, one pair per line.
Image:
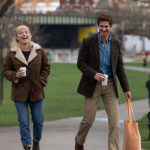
5,7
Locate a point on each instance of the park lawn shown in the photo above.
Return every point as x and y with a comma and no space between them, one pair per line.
136,64
62,100
144,132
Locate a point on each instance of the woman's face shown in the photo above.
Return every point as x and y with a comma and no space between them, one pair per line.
23,36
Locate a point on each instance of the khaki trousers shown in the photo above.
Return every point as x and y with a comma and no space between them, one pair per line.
111,107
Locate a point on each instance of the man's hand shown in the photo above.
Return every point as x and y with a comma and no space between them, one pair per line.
20,74
128,95
99,77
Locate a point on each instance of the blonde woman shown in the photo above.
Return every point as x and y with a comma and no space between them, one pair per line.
27,86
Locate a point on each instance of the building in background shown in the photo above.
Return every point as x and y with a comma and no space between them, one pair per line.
37,6
84,5
143,5
104,5
135,42
114,5
96,5
47,6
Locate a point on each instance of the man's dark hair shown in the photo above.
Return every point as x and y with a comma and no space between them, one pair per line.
105,17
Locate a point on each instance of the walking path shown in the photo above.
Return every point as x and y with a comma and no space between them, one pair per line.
60,134
141,69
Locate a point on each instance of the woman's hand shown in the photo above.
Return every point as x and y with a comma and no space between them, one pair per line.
20,74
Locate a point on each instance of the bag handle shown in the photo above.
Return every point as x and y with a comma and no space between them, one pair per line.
130,109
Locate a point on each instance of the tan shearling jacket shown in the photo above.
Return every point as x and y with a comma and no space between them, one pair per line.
37,71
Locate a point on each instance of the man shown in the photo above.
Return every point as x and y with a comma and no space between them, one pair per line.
101,54
148,87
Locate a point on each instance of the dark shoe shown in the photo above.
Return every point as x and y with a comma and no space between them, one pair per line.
26,147
36,145
77,146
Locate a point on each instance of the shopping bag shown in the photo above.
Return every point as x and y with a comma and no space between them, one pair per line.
132,138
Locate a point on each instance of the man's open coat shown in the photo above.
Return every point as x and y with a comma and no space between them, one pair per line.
89,64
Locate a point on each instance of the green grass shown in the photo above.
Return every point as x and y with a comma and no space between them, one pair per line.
136,64
144,131
62,100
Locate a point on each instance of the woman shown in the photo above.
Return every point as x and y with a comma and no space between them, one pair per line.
27,87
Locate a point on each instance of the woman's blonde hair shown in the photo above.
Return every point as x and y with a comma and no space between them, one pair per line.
15,44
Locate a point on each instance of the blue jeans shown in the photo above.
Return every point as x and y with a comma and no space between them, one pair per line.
23,118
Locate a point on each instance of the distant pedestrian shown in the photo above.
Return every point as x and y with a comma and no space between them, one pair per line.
148,87
27,86
145,62
146,54
101,55
59,56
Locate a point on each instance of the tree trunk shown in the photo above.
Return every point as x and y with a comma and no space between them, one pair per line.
3,9
1,72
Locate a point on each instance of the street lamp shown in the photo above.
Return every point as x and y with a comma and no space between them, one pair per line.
122,35
144,26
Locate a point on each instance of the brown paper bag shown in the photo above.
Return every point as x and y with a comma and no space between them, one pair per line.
132,138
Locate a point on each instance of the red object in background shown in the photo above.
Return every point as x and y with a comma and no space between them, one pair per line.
130,32
143,53
5,27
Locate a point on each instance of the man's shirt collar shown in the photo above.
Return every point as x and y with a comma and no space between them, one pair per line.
101,40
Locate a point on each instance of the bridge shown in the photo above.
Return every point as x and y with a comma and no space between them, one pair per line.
55,19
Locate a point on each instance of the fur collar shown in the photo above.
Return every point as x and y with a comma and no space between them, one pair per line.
19,55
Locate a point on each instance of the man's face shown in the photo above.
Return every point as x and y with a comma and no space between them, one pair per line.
104,28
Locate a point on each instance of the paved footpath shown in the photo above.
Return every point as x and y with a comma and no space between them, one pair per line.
141,69
60,134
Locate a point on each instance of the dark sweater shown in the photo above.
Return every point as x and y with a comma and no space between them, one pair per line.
26,54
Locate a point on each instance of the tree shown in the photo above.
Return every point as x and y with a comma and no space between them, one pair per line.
3,10
5,7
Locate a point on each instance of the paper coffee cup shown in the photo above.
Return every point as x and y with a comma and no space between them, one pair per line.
105,81
24,70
